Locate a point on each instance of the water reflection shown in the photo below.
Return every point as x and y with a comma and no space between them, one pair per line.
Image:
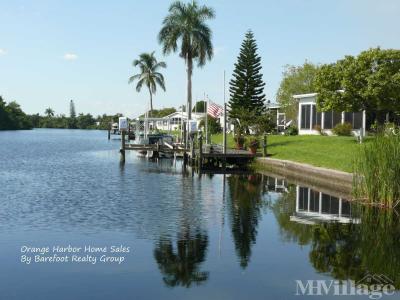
314,206
347,241
244,212
180,265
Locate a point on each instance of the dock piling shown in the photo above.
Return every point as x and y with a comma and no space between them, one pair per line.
200,158
122,150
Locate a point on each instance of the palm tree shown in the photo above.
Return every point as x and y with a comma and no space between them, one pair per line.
149,74
49,112
185,24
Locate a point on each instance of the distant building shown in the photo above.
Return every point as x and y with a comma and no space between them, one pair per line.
173,121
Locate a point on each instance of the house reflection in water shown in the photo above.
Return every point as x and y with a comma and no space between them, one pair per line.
314,207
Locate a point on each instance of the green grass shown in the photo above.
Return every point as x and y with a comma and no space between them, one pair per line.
334,152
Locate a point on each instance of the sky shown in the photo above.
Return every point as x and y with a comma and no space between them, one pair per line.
55,51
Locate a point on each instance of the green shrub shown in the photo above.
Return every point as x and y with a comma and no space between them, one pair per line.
291,130
342,129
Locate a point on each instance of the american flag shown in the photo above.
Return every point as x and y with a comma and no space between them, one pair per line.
214,110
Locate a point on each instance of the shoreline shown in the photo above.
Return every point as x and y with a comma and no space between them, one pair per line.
307,174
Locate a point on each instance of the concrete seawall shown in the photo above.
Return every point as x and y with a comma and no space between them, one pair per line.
323,177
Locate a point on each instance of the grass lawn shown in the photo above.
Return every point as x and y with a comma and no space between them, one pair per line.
335,152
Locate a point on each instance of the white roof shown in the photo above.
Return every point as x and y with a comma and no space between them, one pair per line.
179,114
300,96
273,105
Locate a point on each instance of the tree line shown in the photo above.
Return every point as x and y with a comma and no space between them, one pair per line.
12,117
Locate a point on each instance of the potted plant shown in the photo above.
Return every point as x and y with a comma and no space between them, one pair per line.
253,145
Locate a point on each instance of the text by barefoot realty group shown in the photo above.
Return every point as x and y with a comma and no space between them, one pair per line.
88,254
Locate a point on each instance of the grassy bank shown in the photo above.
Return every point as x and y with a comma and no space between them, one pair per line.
332,152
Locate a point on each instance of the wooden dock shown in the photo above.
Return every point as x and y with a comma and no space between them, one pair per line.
199,156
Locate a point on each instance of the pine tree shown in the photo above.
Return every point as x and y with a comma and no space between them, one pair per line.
72,112
72,115
247,86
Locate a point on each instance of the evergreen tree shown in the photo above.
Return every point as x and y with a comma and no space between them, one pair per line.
72,112
247,87
72,115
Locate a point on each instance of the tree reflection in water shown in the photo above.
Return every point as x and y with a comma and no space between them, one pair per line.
180,265
245,211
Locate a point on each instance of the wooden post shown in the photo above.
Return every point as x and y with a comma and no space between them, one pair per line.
192,155
265,145
109,131
200,158
129,131
122,150
184,135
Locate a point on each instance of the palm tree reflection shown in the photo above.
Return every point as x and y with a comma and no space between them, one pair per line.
180,265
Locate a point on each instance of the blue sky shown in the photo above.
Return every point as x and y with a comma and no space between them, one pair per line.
54,51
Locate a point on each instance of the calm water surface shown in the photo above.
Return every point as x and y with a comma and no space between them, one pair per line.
190,236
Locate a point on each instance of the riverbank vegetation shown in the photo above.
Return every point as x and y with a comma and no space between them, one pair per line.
377,169
12,117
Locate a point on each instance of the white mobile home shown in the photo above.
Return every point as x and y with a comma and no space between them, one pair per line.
310,120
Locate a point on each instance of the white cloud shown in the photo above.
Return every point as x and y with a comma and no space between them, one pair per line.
2,52
70,56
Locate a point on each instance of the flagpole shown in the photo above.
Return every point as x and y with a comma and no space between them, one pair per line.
206,118
224,128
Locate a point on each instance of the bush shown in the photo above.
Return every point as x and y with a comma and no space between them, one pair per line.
291,130
342,129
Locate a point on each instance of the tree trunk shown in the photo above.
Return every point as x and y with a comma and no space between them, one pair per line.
151,102
189,86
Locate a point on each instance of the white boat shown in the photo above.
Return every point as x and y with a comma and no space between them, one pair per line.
155,138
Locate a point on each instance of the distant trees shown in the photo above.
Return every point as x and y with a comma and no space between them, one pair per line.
247,86
200,106
296,80
369,81
149,75
12,117
186,24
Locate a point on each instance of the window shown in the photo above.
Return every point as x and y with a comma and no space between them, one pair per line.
346,208
357,120
331,119
316,116
328,120
337,118
354,118
303,198
314,201
330,204
349,118
305,116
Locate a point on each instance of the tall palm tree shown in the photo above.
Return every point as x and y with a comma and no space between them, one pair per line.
49,112
149,74
186,24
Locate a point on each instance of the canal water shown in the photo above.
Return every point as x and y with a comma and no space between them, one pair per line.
152,230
